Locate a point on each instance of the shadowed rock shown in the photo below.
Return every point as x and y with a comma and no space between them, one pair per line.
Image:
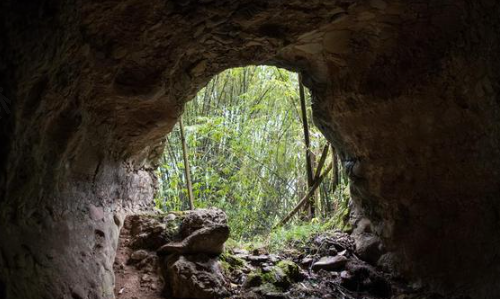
194,276
209,240
188,266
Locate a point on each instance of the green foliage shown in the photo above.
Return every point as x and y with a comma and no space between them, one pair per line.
294,235
246,151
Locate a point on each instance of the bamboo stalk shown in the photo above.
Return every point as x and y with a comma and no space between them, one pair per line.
186,166
321,161
305,125
305,199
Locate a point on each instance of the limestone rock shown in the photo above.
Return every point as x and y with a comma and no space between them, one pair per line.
369,248
194,277
209,240
201,231
330,263
151,231
195,220
407,88
139,255
362,277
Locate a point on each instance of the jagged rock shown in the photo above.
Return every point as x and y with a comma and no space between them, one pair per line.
408,93
208,240
369,248
387,263
279,277
188,266
361,277
148,264
330,263
194,277
307,261
202,231
198,219
152,231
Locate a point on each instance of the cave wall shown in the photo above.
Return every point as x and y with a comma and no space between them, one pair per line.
406,90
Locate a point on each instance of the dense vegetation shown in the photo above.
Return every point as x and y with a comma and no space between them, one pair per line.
246,152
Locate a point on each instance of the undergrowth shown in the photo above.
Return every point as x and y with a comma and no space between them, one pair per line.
294,235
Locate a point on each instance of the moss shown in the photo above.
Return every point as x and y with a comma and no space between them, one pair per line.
281,276
268,288
226,267
274,276
254,279
234,262
290,269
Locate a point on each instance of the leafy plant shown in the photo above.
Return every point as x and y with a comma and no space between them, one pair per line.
246,152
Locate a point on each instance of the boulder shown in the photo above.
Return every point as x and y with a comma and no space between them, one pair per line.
209,240
201,231
151,231
330,263
361,277
277,278
198,219
369,247
195,277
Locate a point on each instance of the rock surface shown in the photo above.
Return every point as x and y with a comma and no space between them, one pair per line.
330,263
406,91
136,264
190,266
194,277
209,240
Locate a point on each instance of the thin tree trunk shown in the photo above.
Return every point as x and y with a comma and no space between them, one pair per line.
186,166
306,198
309,170
335,177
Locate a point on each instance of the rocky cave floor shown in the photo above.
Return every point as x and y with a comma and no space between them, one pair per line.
191,265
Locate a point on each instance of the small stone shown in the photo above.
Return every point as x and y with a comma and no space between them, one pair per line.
344,275
273,258
139,255
330,263
153,286
170,217
258,259
369,248
307,261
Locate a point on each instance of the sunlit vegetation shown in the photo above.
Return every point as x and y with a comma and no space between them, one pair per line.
245,145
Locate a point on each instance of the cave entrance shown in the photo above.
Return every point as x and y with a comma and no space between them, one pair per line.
244,138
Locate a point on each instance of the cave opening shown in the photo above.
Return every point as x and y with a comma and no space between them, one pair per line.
406,91
244,139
